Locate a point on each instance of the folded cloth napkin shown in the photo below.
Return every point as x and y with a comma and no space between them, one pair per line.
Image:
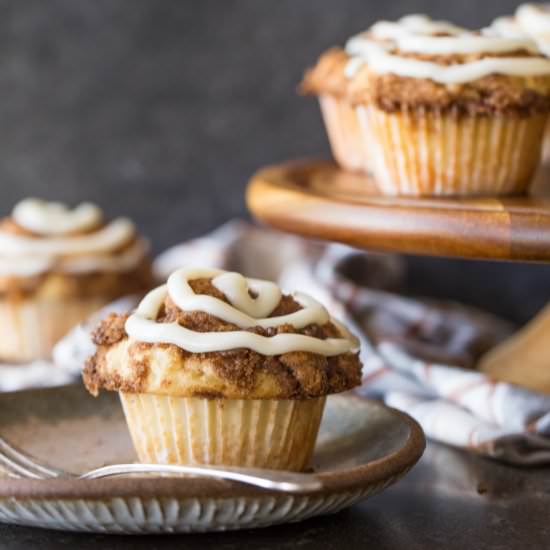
418,355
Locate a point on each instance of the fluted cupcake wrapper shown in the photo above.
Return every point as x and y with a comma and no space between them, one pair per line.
344,133
276,434
421,152
31,327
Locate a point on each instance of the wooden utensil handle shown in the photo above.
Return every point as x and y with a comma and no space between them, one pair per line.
524,358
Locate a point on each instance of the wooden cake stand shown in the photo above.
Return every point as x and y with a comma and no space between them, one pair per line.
317,199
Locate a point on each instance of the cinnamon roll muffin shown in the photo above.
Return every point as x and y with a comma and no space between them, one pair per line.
442,110
330,81
57,266
215,368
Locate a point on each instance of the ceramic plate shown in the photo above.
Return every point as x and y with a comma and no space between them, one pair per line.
362,448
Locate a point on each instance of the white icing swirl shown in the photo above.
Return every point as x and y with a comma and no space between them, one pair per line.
534,19
243,310
505,26
28,266
465,44
458,73
62,246
112,236
417,23
55,218
376,48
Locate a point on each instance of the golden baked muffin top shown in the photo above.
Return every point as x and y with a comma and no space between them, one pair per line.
266,359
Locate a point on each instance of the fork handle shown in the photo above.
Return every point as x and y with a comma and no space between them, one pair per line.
274,480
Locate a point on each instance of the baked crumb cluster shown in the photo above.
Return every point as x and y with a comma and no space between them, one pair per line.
492,94
137,367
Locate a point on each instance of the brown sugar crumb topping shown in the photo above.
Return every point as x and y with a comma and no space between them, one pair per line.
299,374
493,94
110,330
328,76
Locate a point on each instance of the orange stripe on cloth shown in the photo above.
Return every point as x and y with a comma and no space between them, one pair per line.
459,392
427,371
375,374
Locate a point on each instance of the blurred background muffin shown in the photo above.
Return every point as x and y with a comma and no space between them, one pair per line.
57,266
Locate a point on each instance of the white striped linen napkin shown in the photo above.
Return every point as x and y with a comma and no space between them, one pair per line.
418,355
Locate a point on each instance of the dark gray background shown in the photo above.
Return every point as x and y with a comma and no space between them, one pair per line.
162,109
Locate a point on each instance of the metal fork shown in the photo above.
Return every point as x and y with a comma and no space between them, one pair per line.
18,463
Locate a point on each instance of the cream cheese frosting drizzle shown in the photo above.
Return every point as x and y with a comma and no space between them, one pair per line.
534,19
55,218
416,23
244,310
380,48
505,26
65,240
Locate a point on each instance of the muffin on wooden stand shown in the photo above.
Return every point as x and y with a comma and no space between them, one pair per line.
330,81
447,112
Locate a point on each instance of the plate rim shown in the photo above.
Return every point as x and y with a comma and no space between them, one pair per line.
355,478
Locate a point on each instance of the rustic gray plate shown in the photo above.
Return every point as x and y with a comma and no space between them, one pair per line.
362,448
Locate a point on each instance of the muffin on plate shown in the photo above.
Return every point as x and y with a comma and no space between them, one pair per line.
216,368
59,265
445,111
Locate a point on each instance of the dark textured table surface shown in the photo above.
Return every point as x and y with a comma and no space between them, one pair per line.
450,500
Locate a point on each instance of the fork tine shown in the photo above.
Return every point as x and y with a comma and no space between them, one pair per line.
12,467
22,464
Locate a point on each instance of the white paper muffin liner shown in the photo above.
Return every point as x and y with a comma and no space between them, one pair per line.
433,153
30,328
345,136
275,434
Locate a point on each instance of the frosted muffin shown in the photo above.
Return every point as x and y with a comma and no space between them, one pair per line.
450,112
330,80
57,266
215,368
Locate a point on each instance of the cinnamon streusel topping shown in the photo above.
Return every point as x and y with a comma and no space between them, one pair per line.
123,364
493,94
